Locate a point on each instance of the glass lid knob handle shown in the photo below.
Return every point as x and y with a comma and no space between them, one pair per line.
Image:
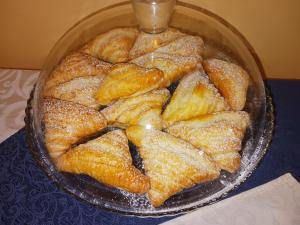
153,16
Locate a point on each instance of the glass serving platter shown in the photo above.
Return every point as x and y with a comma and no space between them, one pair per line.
222,41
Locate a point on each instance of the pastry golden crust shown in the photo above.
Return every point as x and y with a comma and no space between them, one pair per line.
219,134
171,163
175,59
229,161
230,79
112,46
126,80
146,43
66,123
174,67
76,65
108,160
81,90
194,96
144,110
186,46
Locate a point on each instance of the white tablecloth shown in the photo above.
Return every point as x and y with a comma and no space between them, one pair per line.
15,88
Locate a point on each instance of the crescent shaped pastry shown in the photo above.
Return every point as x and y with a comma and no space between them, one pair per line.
81,90
65,123
219,134
171,164
108,160
76,65
127,79
112,46
146,43
144,110
193,96
230,79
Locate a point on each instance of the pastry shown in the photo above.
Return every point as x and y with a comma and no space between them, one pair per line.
65,123
146,43
108,160
81,90
76,65
230,79
126,79
187,45
193,96
144,110
175,59
219,134
174,67
112,46
229,161
170,163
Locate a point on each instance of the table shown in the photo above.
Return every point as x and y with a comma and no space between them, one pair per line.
27,196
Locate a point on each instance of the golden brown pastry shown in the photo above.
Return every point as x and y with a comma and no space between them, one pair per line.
144,110
219,134
193,96
192,46
76,65
172,164
229,161
81,90
108,160
146,43
67,122
230,79
127,79
112,46
175,59
174,67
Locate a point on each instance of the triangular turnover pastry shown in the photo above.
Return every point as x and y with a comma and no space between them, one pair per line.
144,110
219,134
146,43
81,90
187,45
127,79
108,160
76,65
175,59
172,164
193,96
112,46
65,123
230,79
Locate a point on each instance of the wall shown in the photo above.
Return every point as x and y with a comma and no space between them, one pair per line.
28,29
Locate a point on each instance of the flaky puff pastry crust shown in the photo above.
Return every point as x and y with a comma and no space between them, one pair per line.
146,43
230,79
144,110
171,164
175,59
219,134
80,90
76,65
108,160
112,46
127,79
65,123
193,96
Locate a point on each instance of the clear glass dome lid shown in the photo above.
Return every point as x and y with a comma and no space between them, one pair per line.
221,41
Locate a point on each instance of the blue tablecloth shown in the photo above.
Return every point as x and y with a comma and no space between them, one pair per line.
27,196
